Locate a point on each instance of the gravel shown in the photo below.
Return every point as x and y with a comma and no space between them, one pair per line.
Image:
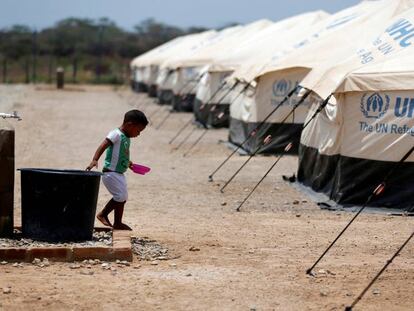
150,250
100,238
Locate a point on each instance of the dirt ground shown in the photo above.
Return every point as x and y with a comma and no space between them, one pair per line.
252,260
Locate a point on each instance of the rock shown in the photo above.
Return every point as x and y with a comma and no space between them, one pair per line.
154,262
113,269
194,249
223,203
118,261
323,293
74,266
162,258
304,201
36,261
137,266
174,265
6,290
295,202
15,265
298,215
45,262
105,265
188,274
376,291
4,263
87,272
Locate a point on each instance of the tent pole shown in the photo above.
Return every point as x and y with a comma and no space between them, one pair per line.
196,142
181,130
206,129
169,113
376,192
287,148
349,308
253,132
185,139
266,142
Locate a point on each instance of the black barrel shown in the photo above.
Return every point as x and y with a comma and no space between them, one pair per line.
58,205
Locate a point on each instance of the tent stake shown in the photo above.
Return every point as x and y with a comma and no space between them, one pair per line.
206,129
185,139
196,142
287,148
349,308
253,132
181,130
265,142
377,191
164,120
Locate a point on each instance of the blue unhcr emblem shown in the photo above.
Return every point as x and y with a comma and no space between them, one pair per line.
281,87
374,106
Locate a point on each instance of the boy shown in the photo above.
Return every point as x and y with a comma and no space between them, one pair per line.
117,162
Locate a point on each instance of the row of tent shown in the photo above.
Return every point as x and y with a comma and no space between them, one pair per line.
348,76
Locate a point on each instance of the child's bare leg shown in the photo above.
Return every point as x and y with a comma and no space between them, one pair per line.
118,224
103,215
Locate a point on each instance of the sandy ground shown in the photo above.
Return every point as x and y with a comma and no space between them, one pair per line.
255,259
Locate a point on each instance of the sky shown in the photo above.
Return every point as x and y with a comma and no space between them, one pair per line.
39,14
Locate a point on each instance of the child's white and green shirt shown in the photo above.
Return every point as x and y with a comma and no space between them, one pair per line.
117,155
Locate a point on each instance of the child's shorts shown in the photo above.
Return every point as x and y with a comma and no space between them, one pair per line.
116,185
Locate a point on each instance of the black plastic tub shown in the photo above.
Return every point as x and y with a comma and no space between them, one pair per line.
58,205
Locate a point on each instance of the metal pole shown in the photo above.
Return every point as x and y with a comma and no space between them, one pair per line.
252,133
349,308
287,148
264,142
185,139
181,130
196,142
377,191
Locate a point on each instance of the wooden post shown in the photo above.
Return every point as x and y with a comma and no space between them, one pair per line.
4,70
6,179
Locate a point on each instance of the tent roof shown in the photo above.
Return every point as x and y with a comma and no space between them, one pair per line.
186,43
266,41
332,36
207,53
392,74
387,42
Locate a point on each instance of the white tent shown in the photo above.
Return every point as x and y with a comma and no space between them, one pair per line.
167,76
269,39
359,137
188,67
146,66
334,39
141,73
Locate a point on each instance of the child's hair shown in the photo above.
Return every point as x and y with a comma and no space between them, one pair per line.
136,116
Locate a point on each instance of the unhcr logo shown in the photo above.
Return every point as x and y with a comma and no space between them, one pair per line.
281,87
374,106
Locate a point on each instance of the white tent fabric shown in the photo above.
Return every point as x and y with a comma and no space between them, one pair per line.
369,16
391,34
149,62
269,39
168,81
358,138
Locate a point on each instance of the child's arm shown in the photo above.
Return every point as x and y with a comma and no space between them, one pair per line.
102,147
